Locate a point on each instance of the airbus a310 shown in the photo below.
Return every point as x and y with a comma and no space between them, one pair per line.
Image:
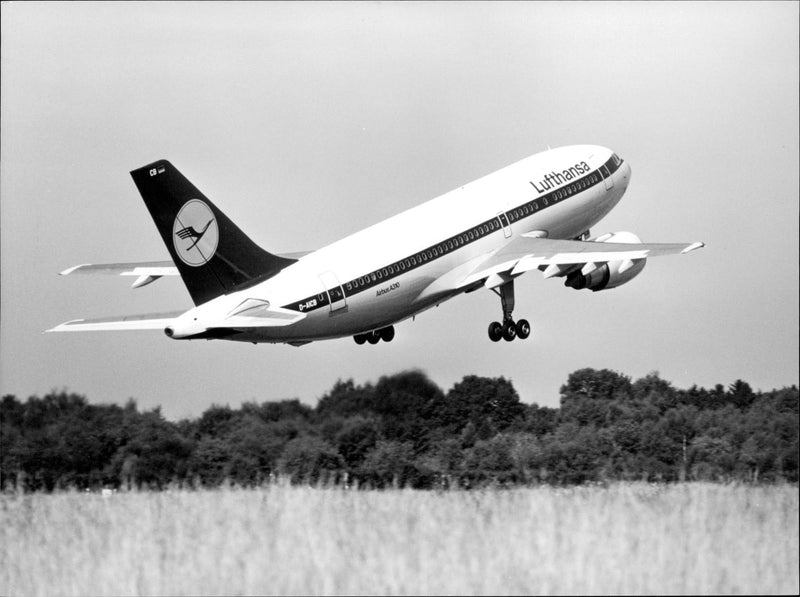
535,214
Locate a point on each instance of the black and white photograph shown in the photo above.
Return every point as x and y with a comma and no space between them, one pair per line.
399,298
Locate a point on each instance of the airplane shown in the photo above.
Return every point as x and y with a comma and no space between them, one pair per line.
535,214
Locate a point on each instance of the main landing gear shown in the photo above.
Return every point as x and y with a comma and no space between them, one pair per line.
509,329
385,334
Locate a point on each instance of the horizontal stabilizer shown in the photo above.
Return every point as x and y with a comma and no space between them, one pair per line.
150,321
145,272
144,268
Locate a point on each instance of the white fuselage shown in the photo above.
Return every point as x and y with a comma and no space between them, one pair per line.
416,259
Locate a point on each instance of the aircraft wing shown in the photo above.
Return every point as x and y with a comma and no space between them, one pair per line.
150,321
528,252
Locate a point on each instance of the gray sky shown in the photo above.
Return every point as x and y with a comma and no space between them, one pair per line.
306,122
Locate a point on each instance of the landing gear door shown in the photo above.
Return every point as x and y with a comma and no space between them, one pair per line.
336,298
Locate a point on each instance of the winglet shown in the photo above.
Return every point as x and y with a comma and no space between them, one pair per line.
693,246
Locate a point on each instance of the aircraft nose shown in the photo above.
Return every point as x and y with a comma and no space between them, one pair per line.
625,174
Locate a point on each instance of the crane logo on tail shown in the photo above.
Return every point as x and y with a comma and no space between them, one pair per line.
195,233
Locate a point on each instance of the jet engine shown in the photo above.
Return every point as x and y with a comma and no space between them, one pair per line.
609,275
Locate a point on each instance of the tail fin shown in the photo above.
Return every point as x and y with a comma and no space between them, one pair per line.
213,256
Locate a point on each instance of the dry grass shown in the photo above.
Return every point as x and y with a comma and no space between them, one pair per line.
625,539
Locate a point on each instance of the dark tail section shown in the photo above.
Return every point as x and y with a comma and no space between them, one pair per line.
213,255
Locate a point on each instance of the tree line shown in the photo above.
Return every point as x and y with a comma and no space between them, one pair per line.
404,430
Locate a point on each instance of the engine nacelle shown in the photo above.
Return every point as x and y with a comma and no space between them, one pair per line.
611,274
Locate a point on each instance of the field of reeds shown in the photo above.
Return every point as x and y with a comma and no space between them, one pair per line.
279,539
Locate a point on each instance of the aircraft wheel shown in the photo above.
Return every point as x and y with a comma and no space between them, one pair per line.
509,331
495,331
373,338
360,339
387,334
523,329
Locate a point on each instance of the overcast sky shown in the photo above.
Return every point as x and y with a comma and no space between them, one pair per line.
306,122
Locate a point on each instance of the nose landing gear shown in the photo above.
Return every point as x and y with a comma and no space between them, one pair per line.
508,330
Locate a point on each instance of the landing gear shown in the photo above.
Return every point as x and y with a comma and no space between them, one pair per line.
385,334
508,330
523,329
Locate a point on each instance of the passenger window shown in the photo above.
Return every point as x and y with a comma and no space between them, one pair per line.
471,235
373,277
391,270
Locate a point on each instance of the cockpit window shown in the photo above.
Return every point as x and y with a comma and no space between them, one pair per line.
616,159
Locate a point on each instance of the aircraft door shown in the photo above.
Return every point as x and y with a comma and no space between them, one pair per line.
504,222
336,298
607,179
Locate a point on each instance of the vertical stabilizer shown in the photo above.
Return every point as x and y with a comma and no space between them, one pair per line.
212,254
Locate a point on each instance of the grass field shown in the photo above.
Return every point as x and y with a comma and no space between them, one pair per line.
624,539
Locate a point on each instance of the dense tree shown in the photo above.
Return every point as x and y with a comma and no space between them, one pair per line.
310,459
404,430
392,463
489,404
346,400
597,384
356,437
160,453
405,404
